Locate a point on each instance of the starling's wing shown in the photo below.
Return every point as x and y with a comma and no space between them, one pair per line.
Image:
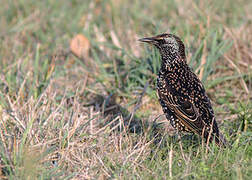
184,110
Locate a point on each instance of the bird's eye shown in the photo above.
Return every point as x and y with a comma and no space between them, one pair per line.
166,40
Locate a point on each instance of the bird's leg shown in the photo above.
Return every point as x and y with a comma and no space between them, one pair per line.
180,145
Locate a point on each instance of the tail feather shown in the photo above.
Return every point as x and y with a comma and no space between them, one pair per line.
216,136
221,140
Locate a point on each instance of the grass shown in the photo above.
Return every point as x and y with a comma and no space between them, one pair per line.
62,119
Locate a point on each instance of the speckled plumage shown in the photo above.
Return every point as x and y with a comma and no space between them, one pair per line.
181,93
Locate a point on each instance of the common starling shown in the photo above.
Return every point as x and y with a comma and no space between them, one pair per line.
181,93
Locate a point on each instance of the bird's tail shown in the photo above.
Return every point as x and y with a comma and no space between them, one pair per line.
216,136
221,141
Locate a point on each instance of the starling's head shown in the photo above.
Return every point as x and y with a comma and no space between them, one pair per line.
169,45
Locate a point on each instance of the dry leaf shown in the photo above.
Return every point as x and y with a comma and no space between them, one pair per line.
80,46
